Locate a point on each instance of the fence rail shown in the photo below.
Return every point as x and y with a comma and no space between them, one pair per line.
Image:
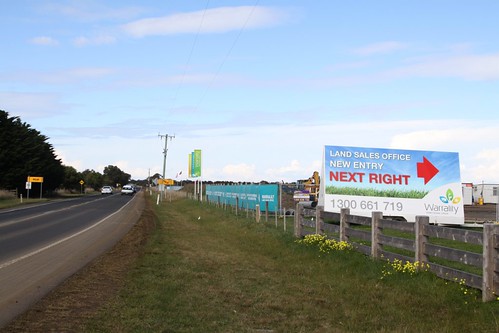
368,235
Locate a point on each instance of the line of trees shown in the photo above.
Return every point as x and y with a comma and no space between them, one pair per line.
112,176
25,152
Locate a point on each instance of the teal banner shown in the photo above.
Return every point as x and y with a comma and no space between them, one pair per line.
249,195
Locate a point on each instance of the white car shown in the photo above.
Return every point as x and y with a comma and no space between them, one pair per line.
127,190
106,190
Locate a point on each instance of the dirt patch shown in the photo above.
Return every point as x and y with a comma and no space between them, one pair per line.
68,306
480,213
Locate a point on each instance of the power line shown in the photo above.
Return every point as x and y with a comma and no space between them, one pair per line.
217,73
190,55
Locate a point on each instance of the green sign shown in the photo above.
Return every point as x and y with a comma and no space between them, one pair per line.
195,163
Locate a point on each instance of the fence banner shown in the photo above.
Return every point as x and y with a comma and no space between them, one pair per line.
249,195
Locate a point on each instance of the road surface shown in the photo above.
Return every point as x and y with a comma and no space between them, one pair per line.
43,245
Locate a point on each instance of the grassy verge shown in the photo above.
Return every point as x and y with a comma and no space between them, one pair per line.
206,270
14,202
9,201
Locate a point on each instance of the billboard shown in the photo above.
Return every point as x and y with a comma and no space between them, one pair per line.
249,195
398,183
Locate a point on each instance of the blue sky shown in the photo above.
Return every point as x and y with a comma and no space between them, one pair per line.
259,86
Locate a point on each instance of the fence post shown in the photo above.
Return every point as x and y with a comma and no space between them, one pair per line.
318,220
284,219
298,218
237,205
489,254
376,247
344,224
421,239
266,211
275,217
257,213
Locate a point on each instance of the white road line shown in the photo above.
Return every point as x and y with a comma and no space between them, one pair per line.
48,212
13,261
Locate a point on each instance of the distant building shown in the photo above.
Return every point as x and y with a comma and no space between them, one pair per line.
487,193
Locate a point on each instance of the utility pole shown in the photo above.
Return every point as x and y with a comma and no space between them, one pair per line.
165,152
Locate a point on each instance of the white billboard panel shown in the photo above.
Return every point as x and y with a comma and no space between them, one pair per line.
398,183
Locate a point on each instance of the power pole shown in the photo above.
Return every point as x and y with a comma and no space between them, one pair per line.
165,152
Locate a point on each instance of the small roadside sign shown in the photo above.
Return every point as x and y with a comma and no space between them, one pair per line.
28,185
82,182
301,195
165,181
35,179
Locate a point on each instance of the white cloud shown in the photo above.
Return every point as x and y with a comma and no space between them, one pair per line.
77,164
32,105
98,40
294,170
89,72
44,40
486,166
239,172
381,48
91,10
63,77
469,67
217,20
284,171
478,157
262,153
430,138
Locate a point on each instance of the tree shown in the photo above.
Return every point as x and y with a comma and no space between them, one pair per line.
113,175
72,178
25,152
93,179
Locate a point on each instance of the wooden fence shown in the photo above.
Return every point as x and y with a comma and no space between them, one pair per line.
370,235
237,207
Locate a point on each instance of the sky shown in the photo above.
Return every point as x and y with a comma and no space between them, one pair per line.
259,86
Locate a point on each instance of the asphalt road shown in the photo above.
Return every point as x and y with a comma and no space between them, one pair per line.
41,246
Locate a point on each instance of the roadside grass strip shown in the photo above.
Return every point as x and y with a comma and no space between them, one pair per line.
207,270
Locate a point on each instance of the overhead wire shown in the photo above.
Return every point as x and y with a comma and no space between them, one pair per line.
227,55
189,57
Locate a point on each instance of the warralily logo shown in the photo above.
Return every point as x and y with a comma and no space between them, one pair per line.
450,198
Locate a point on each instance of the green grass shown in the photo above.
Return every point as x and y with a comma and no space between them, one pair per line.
9,201
373,192
206,270
437,241
14,202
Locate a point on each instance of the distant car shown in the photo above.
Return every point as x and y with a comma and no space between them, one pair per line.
106,190
127,190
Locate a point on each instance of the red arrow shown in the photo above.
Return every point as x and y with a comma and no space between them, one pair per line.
426,170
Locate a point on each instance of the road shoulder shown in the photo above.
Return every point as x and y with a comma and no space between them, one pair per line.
78,297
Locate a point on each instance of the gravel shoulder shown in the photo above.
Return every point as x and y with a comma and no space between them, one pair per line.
80,297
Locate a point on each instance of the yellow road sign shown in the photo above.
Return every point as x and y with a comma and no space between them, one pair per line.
165,181
35,179
82,182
